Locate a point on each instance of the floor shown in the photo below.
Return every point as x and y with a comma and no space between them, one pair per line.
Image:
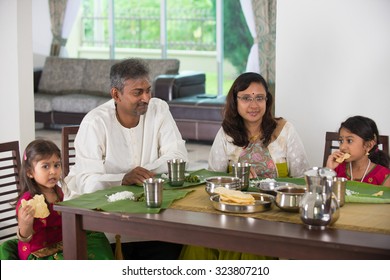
197,152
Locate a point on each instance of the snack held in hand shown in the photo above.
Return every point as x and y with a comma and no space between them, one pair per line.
344,157
38,203
234,196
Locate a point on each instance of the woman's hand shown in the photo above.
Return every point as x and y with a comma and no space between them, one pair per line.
137,176
252,173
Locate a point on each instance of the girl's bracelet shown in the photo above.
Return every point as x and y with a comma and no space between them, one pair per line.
23,239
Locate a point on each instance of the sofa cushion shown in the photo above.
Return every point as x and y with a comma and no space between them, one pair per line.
62,75
43,102
77,103
96,78
162,66
200,108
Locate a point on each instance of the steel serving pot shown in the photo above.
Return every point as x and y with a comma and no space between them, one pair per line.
288,198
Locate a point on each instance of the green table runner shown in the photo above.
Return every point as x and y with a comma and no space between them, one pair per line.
98,200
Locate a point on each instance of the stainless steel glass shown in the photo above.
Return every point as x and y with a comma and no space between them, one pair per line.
153,189
176,171
242,170
339,186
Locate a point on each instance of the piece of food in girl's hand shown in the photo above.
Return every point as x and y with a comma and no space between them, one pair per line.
39,205
344,157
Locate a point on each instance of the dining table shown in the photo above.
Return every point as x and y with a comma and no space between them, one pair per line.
187,216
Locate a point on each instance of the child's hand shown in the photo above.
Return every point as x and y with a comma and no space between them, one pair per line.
26,217
331,162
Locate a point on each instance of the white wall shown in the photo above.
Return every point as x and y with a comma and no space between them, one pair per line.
332,62
41,31
16,77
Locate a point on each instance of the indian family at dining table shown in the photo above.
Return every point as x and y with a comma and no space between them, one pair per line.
130,138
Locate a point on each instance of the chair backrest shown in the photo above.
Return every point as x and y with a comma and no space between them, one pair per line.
67,148
332,143
9,187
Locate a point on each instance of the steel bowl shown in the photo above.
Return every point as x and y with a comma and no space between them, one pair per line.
231,183
288,197
269,187
263,202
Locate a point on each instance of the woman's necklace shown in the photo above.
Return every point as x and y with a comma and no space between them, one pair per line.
365,172
254,137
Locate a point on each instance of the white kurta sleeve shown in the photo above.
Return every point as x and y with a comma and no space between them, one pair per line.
90,172
288,145
222,151
296,154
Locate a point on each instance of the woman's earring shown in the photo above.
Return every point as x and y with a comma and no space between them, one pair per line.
367,153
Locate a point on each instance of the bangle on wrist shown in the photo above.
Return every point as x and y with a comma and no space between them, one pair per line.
21,238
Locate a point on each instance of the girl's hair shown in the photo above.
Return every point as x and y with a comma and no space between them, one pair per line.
366,129
35,151
233,123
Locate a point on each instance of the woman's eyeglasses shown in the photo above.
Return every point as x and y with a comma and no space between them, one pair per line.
246,99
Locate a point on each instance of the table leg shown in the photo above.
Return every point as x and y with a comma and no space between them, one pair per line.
74,237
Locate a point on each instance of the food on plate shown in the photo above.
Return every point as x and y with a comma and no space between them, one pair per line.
38,203
380,193
344,157
234,196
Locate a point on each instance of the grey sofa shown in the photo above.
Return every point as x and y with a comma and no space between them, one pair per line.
68,88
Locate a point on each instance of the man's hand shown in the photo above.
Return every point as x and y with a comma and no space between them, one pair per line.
137,176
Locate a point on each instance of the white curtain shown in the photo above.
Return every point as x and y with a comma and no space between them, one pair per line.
72,10
253,64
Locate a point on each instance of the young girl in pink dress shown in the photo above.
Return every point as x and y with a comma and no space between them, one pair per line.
359,137
41,237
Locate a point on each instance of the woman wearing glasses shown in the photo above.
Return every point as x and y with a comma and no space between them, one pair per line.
250,133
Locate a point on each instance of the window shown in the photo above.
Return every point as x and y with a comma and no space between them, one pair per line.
191,34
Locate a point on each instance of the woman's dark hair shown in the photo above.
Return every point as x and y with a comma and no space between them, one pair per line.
233,123
366,129
35,151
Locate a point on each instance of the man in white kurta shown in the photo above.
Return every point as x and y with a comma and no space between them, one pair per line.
125,141
106,150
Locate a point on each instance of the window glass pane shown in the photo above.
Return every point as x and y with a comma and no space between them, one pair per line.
191,34
191,37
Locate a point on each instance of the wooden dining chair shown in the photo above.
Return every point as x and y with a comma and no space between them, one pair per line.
67,148
9,187
332,143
